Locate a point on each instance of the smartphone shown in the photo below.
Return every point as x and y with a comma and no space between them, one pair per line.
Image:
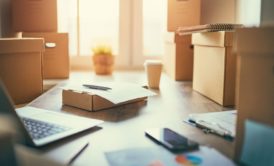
171,140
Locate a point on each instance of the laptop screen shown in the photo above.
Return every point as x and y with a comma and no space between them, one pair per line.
7,110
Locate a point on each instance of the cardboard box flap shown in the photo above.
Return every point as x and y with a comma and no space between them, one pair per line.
21,45
255,40
172,37
218,39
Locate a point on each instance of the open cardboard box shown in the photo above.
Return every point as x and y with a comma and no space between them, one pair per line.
90,102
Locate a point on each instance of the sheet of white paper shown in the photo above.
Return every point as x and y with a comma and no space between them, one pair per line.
258,146
120,91
224,120
156,156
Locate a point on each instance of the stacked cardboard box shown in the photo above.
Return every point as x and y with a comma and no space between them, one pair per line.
214,66
254,79
21,68
55,60
178,58
39,19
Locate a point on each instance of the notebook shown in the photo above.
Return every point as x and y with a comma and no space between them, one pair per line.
207,28
39,127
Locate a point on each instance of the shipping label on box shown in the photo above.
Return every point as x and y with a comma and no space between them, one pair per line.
56,58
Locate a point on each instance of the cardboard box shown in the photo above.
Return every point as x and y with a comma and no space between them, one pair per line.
56,58
178,58
21,68
218,11
34,15
214,66
90,102
183,13
255,79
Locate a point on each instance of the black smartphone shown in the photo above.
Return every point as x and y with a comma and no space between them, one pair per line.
171,140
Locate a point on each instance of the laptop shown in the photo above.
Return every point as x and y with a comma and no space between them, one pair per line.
39,127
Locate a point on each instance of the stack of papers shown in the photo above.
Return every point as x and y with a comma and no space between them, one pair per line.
221,123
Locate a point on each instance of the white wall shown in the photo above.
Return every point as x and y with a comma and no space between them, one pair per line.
248,12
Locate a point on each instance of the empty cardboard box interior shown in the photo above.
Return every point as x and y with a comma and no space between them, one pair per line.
183,13
178,58
255,79
90,102
56,59
34,16
214,66
21,68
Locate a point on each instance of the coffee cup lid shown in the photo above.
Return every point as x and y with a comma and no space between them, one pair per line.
152,62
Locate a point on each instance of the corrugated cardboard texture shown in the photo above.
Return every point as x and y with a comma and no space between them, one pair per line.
21,68
34,16
214,73
90,102
178,58
56,59
255,79
183,13
218,39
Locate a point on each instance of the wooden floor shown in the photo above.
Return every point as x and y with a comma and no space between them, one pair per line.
124,126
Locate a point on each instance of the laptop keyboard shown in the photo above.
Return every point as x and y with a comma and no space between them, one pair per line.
39,129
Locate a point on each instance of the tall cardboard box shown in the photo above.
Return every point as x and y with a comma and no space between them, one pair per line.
183,13
255,79
214,66
178,58
56,58
21,68
34,15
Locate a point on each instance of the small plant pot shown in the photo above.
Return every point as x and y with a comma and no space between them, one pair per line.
103,64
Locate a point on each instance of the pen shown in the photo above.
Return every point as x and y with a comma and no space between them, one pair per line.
74,156
96,87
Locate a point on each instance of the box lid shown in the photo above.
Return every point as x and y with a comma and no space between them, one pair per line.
21,45
255,40
172,37
218,39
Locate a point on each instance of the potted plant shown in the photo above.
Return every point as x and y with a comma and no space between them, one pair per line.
103,59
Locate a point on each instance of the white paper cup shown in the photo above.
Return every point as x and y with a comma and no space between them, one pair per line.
153,70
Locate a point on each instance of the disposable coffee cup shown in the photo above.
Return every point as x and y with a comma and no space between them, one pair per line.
153,70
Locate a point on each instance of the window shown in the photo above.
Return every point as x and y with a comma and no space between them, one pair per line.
133,28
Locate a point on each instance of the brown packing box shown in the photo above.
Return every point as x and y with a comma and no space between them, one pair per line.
56,59
21,68
34,15
178,58
90,102
183,13
255,79
214,66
